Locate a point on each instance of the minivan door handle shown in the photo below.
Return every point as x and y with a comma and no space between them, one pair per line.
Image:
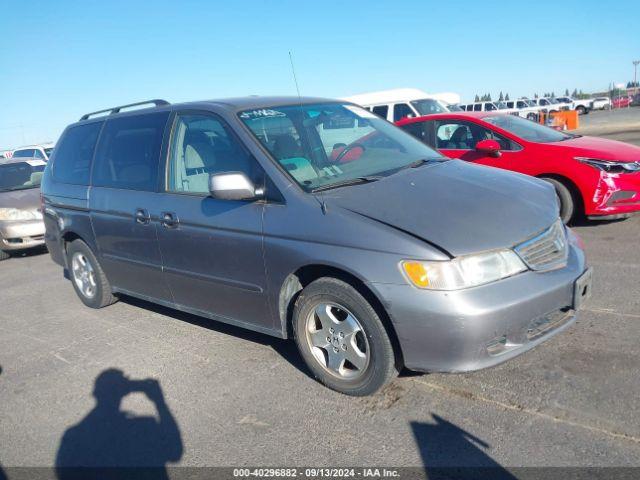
142,216
169,219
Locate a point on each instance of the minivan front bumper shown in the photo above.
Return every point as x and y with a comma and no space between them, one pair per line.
479,327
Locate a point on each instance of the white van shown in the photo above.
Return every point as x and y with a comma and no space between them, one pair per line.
41,151
399,103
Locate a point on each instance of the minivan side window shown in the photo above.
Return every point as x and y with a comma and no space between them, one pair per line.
201,145
129,152
72,162
381,110
401,110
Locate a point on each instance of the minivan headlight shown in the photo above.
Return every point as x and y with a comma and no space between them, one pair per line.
17,214
610,166
463,272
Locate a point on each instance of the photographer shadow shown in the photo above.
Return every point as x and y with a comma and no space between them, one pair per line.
111,443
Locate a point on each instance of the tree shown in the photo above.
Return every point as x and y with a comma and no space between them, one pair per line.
477,99
575,93
501,98
566,92
506,97
535,95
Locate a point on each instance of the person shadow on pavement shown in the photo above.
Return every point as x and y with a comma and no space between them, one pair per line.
449,452
107,437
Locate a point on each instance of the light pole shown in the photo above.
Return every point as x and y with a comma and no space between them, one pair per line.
635,74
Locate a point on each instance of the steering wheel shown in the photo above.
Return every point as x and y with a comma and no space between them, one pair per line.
347,149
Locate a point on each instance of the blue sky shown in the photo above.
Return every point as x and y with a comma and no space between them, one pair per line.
60,59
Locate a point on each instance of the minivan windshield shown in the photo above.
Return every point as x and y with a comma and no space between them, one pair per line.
329,145
526,129
20,176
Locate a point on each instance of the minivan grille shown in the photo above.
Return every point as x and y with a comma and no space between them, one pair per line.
545,251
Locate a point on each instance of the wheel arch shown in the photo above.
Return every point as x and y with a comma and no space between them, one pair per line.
572,186
303,276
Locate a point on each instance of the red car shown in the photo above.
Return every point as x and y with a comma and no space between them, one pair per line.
593,177
621,102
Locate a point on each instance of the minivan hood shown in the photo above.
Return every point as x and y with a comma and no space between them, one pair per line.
602,148
459,207
28,199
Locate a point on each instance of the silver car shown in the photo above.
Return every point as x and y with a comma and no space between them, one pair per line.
21,224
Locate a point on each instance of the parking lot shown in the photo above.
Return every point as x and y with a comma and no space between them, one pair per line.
241,398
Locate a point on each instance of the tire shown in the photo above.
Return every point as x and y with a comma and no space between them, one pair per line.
4,255
567,202
581,110
87,277
343,310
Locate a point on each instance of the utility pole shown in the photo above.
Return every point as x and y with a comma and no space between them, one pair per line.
635,74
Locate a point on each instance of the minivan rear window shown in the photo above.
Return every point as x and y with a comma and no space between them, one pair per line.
74,153
129,151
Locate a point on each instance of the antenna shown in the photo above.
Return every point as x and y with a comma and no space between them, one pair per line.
293,71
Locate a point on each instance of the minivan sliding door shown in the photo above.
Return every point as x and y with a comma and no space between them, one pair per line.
122,204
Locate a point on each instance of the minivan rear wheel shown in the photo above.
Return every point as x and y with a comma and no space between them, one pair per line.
567,204
342,339
87,277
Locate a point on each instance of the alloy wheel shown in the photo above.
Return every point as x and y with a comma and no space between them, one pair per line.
337,341
83,275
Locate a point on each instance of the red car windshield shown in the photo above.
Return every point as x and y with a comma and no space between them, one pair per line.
526,129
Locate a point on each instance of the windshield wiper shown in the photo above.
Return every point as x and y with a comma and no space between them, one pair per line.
345,183
420,162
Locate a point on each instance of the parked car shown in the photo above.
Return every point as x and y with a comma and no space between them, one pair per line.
21,225
592,176
601,103
549,105
582,106
621,102
41,151
249,211
399,103
523,107
480,107
635,100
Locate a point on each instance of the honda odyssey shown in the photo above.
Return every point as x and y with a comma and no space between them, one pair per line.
246,211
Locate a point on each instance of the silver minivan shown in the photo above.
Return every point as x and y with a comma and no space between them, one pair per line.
316,220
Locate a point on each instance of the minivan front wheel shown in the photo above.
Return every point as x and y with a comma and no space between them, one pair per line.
87,277
342,339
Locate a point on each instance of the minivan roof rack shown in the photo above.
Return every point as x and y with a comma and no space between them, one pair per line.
114,110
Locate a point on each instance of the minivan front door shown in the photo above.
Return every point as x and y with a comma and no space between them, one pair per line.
212,249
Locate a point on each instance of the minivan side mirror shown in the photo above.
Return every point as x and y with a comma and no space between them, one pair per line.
232,186
488,147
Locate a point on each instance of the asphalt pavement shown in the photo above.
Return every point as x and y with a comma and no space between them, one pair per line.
230,397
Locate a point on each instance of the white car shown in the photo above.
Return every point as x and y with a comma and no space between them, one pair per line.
480,107
582,106
524,107
41,151
550,105
602,103
399,103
